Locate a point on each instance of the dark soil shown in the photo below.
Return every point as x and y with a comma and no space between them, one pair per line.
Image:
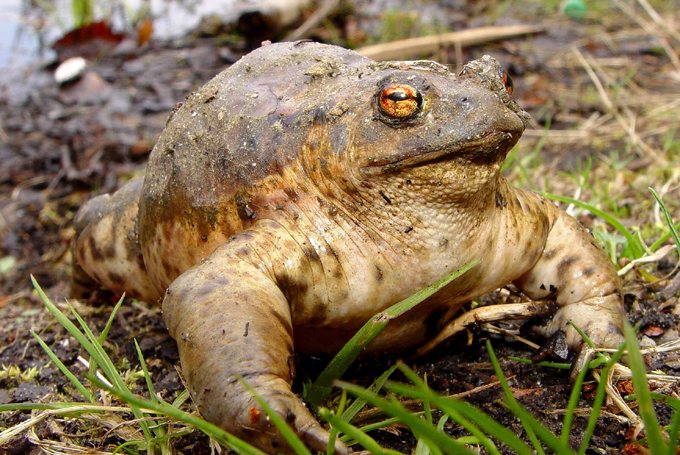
61,145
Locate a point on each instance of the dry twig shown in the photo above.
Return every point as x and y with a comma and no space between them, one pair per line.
414,47
313,21
490,313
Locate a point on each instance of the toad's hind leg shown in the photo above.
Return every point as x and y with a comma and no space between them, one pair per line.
106,249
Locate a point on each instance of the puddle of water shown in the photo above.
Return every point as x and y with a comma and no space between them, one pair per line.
18,41
176,18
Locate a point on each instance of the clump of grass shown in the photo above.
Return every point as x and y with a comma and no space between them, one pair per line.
489,434
16,373
154,417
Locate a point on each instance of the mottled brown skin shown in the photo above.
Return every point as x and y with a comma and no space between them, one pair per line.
283,206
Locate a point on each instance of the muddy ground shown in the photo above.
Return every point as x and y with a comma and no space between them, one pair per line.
61,145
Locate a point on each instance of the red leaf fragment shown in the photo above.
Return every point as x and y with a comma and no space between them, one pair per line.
90,41
653,331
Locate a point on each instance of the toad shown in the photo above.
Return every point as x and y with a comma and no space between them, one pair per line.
306,188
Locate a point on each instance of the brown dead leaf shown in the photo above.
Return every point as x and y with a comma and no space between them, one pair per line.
519,393
634,449
625,387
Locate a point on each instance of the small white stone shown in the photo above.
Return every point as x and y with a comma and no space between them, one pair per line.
70,69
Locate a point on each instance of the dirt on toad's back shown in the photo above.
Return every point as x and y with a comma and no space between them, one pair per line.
244,125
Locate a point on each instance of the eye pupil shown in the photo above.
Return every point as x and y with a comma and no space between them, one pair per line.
398,96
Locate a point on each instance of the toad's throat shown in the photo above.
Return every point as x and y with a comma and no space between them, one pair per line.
490,147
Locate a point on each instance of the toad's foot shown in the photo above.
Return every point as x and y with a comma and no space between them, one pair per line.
597,318
260,430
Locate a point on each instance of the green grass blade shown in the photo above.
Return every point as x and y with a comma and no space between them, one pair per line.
109,322
218,434
542,432
420,428
645,406
600,395
486,423
104,334
358,404
147,376
598,401
429,396
355,433
669,221
61,318
532,426
102,358
128,447
663,237
159,430
64,370
90,343
542,363
442,422
451,410
422,448
321,388
636,247
584,336
64,321
373,426
673,433
456,408
571,405
181,398
474,430
334,431
98,352
82,12
415,379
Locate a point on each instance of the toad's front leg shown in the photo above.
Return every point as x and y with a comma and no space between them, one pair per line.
576,272
232,323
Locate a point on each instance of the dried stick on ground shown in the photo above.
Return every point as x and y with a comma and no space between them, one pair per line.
491,313
414,47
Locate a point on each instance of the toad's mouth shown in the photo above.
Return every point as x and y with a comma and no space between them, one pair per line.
485,149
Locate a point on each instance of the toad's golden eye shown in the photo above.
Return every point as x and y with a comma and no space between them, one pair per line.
507,81
400,101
